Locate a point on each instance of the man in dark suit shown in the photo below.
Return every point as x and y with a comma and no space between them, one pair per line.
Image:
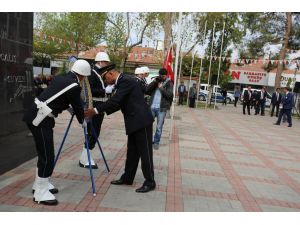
181,92
276,99
262,102
246,100
138,123
42,130
286,106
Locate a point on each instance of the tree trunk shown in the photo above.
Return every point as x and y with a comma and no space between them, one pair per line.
168,32
288,27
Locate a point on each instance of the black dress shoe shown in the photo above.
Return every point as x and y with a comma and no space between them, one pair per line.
276,124
145,188
47,202
120,182
53,191
289,125
87,166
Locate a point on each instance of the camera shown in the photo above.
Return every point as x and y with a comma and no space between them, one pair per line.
159,79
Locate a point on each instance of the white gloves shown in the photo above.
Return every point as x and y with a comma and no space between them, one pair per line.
84,124
109,89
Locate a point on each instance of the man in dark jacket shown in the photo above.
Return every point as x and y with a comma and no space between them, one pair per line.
286,106
192,96
262,102
246,100
98,93
181,92
161,92
276,99
42,130
138,123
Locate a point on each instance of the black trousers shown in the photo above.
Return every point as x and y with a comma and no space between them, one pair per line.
260,107
139,145
248,107
235,100
192,102
288,113
43,137
276,105
96,122
181,95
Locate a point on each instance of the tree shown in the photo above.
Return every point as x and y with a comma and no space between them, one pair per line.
132,29
233,34
273,28
84,29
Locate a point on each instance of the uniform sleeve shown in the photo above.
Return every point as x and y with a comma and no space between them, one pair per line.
114,103
96,88
151,87
74,98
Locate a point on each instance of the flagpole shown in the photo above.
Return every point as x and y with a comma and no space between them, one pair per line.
209,69
220,63
179,77
200,71
190,80
176,73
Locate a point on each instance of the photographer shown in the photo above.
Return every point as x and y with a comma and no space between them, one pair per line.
161,91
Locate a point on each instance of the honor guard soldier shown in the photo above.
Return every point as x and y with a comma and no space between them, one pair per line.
98,94
138,123
63,91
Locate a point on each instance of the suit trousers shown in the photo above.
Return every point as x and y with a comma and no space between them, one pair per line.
96,122
181,95
43,137
276,105
139,145
192,102
260,107
248,107
288,113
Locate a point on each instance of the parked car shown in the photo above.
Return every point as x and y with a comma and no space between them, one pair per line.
203,96
204,93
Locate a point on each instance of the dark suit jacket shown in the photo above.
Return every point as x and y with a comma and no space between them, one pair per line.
288,101
264,96
247,97
130,99
274,98
97,85
61,103
179,89
142,82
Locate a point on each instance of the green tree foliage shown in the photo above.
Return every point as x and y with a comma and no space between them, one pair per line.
84,29
121,29
233,34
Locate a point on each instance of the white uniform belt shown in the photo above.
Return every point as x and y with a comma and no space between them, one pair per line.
99,99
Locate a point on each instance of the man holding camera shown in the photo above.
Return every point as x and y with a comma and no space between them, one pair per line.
161,91
63,91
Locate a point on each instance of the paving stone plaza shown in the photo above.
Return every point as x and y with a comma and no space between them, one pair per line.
216,161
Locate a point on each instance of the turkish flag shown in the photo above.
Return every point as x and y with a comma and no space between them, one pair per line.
168,65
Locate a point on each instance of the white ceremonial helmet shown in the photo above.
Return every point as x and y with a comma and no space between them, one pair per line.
102,56
138,71
145,69
82,67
